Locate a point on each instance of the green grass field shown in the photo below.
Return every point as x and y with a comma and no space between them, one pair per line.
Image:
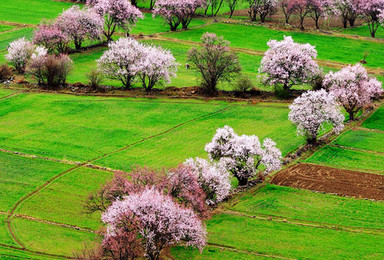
286,222
359,149
43,190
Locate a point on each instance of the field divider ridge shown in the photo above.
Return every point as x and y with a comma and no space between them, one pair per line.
313,224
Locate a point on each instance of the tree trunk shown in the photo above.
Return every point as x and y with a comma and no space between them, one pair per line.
345,22
351,116
242,181
302,24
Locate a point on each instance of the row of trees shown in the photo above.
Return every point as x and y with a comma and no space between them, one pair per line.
147,210
98,18
287,63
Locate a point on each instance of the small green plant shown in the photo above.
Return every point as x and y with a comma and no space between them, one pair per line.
94,79
243,84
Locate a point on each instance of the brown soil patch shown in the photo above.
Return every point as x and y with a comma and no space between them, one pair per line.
331,180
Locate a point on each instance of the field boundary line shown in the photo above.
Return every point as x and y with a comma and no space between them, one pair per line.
361,128
10,95
54,178
356,149
33,156
36,252
304,223
342,168
54,223
245,251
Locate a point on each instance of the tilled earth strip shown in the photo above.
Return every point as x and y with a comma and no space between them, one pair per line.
332,180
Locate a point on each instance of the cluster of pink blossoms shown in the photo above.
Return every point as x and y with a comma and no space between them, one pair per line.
353,88
162,222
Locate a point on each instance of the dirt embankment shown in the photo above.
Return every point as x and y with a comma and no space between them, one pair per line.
331,180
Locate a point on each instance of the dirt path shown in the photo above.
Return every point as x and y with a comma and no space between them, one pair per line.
331,180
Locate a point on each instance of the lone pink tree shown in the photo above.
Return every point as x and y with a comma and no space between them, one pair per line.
51,37
353,88
161,221
120,60
175,12
80,24
243,156
312,110
214,61
19,52
288,63
156,66
117,13
370,10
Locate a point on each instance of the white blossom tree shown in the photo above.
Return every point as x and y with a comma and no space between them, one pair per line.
243,155
288,63
312,110
19,52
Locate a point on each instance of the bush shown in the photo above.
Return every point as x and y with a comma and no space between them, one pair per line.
50,70
5,72
243,84
94,79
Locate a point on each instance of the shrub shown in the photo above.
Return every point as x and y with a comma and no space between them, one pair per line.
243,84
49,69
5,72
94,79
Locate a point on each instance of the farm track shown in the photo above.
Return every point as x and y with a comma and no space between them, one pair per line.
12,211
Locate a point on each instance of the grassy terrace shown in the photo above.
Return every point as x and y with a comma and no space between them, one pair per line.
286,222
359,149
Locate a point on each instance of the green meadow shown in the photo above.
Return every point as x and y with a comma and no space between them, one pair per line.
46,140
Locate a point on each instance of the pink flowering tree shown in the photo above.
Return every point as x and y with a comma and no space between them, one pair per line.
80,24
320,8
288,63
370,10
51,37
184,185
302,8
19,52
244,155
161,222
312,110
261,7
212,177
214,61
287,8
176,12
119,61
156,66
344,9
353,88
117,13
